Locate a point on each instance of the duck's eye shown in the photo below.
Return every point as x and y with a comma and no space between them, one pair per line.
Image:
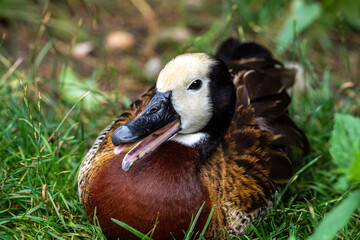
195,85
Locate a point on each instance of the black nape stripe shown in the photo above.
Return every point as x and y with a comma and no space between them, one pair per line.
223,98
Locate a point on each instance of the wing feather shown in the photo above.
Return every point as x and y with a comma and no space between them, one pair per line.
261,84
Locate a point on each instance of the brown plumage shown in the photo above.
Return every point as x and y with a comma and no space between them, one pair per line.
238,173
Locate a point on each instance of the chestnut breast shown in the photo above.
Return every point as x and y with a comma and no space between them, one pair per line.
164,185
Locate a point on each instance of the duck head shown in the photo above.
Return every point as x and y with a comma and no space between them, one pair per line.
193,104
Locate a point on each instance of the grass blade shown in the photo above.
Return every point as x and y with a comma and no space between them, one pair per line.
207,221
131,229
336,219
189,232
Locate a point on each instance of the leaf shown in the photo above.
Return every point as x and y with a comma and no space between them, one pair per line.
336,219
348,9
345,145
342,183
73,88
302,16
355,170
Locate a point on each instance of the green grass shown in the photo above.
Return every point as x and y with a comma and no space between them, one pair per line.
45,132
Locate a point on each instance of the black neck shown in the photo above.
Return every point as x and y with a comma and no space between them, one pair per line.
223,99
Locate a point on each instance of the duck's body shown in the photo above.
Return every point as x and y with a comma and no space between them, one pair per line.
223,144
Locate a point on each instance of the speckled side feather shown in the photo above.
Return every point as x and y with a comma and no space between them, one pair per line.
103,149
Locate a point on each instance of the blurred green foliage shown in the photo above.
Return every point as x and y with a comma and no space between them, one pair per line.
284,20
59,25
73,88
345,147
337,219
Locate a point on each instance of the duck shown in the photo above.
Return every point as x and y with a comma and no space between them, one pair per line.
213,131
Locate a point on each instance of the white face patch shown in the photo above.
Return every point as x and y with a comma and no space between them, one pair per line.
193,106
189,139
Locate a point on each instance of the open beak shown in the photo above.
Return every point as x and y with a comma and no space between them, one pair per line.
152,127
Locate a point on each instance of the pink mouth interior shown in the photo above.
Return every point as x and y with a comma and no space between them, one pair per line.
120,148
140,149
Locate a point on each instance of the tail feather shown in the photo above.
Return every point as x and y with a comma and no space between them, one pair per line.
268,66
227,48
289,133
231,49
261,83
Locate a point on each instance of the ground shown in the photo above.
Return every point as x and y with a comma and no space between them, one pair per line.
53,52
